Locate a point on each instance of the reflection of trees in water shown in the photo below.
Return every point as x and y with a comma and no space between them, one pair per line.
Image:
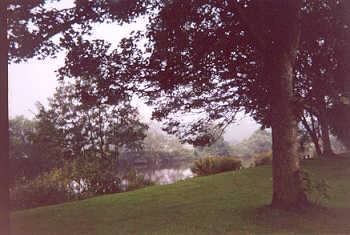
168,176
161,173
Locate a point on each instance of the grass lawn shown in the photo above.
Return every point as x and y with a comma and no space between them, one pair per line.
228,203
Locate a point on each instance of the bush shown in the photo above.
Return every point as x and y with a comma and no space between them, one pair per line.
213,165
95,177
46,189
75,180
264,158
317,189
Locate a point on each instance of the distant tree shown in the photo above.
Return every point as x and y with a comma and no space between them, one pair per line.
219,148
260,141
103,130
158,141
21,131
47,141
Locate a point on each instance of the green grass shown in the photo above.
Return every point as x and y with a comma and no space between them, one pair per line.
228,203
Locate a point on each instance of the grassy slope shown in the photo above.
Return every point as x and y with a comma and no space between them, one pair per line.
229,203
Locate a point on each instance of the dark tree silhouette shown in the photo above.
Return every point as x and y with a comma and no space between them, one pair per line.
320,67
215,58
221,57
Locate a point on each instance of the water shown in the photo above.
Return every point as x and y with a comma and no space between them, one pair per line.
169,175
166,174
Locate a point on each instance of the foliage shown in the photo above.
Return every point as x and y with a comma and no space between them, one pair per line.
93,127
21,130
264,158
340,125
94,176
157,141
322,68
35,146
46,189
318,190
219,148
259,141
78,179
32,25
211,58
215,58
213,165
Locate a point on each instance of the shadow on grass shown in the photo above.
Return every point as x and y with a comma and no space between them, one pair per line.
314,220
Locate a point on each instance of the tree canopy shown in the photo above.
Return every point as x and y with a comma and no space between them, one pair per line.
209,58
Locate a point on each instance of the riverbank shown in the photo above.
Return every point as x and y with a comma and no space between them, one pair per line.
228,203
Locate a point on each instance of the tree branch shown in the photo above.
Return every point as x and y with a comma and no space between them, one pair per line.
251,28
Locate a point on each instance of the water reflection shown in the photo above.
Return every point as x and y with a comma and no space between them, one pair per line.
168,176
158,174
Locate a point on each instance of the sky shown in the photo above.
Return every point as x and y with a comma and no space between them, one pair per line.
35,81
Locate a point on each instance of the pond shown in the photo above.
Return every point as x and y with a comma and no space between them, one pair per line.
161,174
158,174
168,175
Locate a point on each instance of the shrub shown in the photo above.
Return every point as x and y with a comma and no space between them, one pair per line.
264,158
46,189
95,177
78,179
213,165
317,190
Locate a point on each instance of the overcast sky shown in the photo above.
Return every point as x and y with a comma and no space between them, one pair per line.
35,81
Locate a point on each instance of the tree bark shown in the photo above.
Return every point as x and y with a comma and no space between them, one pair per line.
4,124
288,192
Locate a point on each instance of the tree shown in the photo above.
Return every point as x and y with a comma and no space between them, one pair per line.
237,43
259,142
220,148
93,128
217,58
311,126
21,130
207,57
35,147
47,142
321,67
26,31
159,141
339,122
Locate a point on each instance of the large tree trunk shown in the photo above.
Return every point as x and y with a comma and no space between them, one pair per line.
288,192
4,124
287,184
